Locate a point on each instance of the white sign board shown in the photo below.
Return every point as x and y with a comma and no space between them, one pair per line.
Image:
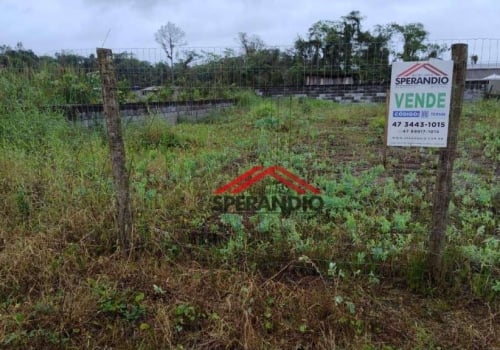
419,105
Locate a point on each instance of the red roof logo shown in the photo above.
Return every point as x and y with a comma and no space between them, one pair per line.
422,66
257,173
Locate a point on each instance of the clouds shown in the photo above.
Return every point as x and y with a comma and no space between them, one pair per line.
143,5
53,25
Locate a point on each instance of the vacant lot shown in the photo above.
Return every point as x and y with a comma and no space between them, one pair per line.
351,276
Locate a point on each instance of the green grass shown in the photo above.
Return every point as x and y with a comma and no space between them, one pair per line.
351,276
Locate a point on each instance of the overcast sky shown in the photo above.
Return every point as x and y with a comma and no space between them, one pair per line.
47,26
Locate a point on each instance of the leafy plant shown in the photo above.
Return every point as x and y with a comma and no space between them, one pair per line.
186,317
125,304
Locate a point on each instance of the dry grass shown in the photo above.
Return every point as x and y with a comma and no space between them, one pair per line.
62,286
48,302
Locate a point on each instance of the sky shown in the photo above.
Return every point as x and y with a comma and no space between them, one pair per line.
50,26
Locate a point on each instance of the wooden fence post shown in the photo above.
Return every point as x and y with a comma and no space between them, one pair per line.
443,190
120,175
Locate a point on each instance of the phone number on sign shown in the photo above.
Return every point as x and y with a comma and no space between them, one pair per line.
419,124
419,131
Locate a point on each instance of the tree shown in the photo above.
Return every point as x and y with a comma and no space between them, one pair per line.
351,33
414,36
323,44
435,50
170,36
415,44
188,57
17,57
250,43
342,49
373,56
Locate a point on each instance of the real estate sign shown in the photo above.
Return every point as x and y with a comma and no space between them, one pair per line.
419,105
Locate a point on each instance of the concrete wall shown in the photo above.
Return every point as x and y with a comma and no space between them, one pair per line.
352,93
338,93
90,115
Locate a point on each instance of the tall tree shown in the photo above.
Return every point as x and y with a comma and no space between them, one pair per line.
250,43
372,56
342,49
415,42
414,36
351,32
170,36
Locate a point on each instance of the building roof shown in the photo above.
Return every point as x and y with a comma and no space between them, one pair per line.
481,71
492,77
151,88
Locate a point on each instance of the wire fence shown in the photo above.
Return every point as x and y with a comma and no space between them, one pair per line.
344,73
351,144
318,70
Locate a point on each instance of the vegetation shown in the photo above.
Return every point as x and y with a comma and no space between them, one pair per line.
352,276
331,49
169,36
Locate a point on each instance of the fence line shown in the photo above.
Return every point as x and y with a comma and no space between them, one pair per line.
206,73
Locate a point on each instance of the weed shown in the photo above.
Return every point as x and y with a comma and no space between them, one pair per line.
186,317
334,277
112,302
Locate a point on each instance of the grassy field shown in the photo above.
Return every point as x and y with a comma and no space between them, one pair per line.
352,276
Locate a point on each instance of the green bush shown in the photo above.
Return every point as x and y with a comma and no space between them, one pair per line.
155,133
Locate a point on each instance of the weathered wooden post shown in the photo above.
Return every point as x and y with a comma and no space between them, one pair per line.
443,189
120,175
